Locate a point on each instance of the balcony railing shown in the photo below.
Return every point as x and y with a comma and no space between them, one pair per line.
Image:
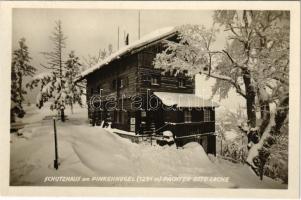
190,128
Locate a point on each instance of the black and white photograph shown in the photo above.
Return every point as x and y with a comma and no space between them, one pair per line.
152,98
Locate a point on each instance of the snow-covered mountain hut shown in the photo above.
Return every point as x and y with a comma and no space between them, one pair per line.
126,90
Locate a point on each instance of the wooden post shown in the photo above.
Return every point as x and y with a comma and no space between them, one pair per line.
242,150
56,164
139,25
153,132
62,107
118,39
93,117
221,146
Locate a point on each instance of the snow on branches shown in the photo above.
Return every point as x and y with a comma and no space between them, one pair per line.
21,68
254,62
57,84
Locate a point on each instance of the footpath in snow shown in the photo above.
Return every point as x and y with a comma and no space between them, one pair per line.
93,156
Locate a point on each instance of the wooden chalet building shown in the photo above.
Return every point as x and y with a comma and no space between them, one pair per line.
127,90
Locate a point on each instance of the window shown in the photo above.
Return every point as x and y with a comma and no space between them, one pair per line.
121,117
121,83
143,113
100,91
181,83
154,81
187,116
206,115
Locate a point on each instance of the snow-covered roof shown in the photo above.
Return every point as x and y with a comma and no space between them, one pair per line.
145,40
183,100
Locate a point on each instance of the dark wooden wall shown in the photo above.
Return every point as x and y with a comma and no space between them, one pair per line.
126,69
103,78
137,69
167,81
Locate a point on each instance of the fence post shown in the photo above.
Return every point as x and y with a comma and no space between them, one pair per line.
153,132
55,164
221,146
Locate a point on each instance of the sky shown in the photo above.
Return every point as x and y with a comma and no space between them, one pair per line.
89,30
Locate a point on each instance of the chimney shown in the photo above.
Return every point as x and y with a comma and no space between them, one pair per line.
126,40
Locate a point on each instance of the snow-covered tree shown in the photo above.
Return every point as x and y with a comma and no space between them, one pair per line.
254,62
21,68
53,83
74,92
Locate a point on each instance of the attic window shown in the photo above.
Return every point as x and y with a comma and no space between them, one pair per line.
181,83
187,116
154,81
206,115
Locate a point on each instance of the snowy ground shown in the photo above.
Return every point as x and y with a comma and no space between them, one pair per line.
92,156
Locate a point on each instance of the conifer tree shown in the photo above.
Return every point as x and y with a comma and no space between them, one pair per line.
53,83
57,84
21,68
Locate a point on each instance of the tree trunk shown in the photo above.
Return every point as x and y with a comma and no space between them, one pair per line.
276,120
250,99
254,150
251,109
71,107
265,116
281,115
251,112
20,89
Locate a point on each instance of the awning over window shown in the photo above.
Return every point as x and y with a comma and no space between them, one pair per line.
184,100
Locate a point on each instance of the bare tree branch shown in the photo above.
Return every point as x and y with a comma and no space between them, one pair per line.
229,80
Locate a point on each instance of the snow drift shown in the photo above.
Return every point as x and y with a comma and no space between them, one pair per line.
86,151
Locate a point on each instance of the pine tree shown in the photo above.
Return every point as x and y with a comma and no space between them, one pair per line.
53,84
57,84
21,68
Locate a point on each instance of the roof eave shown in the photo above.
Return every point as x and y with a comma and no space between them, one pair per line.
135,50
